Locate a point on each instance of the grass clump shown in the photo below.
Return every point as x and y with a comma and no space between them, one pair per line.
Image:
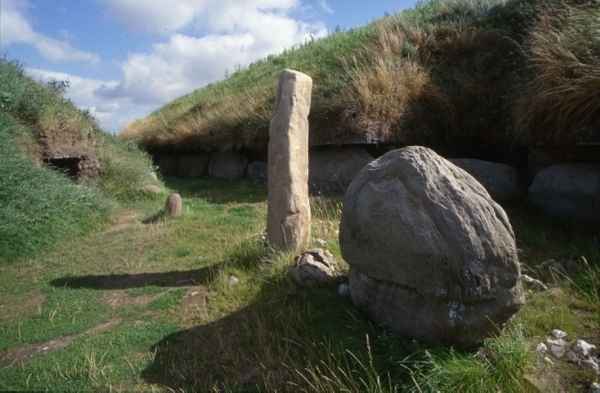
498,367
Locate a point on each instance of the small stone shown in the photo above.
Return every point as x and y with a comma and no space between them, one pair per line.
558,334
533,284
548,361
174,205
591,364
314,267
344,290
557,347
595,388
583,348
321,242
152,189
233,281
541,348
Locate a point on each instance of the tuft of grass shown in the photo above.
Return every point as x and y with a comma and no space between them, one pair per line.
560,101
499,366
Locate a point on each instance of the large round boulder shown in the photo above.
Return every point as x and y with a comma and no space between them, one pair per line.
568,191
227,165
500,180
432,256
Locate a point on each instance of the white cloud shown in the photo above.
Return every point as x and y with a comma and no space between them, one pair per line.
325,6
15,28
112,114
236,33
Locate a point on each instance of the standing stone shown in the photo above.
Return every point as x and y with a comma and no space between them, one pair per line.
431,255
174,205
288,221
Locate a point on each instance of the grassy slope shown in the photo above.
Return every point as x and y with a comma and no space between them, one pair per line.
461,75
38,206
178,322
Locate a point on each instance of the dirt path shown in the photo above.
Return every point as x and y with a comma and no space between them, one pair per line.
24,354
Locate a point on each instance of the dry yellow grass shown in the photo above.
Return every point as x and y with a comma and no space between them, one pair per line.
562,98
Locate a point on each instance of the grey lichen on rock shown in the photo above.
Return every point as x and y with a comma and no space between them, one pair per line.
432,256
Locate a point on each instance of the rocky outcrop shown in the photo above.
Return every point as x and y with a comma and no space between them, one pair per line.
334,169
569,192
288,218
228,165
500,180
313,268
432,256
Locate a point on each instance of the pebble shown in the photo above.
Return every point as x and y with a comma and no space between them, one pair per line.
559,334
233,281
558,347
595,388
541,348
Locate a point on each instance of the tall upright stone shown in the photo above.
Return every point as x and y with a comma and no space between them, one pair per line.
288,221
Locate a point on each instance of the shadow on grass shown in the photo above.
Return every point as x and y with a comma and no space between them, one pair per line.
267,345
125,281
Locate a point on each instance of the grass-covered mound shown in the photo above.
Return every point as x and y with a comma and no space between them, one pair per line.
40,206
462,75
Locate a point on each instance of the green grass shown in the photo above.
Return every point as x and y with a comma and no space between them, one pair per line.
180,324
39,206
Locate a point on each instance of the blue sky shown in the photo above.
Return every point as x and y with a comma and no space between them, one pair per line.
125,58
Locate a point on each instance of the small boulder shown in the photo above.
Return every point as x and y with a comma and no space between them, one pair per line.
227,165
569,192
500,180
152,189
313,268
333,169
431,254
174,205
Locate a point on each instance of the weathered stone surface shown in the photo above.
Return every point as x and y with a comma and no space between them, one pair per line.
569,192
334,169
228,165
313,268
174,205
257,171
288,221
500,180
193,165
432,256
